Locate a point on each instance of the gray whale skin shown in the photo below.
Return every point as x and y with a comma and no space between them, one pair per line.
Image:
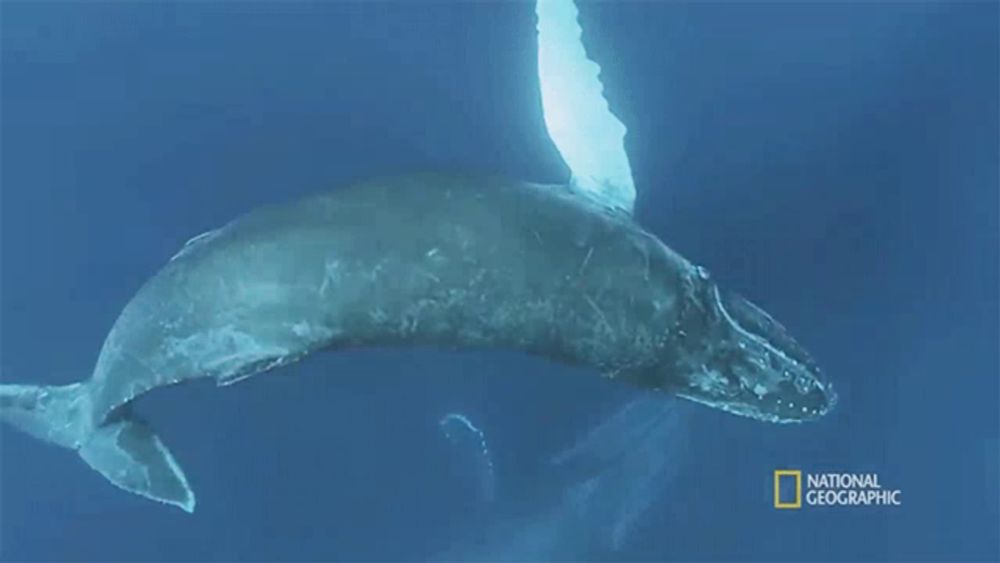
437,260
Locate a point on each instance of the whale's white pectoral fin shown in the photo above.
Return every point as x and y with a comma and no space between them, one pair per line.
589,137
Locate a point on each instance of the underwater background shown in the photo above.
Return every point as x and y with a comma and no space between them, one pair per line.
837,163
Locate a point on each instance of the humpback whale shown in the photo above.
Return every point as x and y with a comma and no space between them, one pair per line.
446,260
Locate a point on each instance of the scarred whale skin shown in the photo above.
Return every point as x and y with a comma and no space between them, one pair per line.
427,259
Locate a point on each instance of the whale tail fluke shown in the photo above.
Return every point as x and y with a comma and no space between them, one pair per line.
124,449
129,454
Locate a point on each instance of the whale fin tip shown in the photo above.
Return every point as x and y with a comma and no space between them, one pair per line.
130,455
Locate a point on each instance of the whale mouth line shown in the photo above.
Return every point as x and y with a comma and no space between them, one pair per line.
741,409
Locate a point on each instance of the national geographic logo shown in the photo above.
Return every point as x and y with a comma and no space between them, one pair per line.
832,489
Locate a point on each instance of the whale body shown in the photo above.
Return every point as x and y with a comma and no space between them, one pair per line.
425,259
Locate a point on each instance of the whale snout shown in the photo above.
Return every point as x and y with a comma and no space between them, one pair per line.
777,379
746,363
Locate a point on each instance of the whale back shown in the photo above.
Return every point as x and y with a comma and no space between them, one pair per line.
426,259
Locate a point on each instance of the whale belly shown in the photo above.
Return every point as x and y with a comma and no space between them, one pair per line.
418,260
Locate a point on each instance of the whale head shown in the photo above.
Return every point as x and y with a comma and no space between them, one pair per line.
731,355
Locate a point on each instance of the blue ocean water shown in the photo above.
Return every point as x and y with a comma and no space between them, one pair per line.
837,163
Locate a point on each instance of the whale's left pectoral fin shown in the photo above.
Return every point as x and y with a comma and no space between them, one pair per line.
130,455
579,121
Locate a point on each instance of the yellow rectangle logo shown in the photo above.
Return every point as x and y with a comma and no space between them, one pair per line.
778,474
